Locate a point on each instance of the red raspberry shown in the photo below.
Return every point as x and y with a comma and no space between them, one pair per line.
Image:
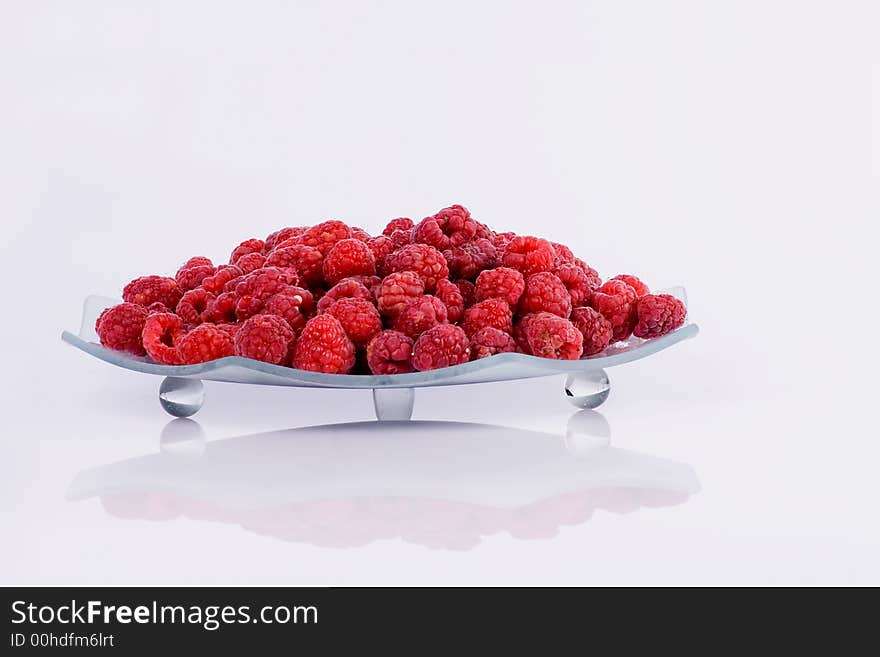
442,346
359,233
484,232
563,253
323,346
293,304
401,223
451,296
468,260
640,288
221,309
216,283
157,307
248,246
120,328
551,336
193,272
397,290
520,334
530,255
160,336
501,240
347,287
468,291
545,293
147,289
592,275
359,319
501,283
251,262
616,301
576,282
325,235
425,260
490,341
231,329
390,352
279,236
494,313
266,338
349,257
419,315
381,247
452,226
204,343
658,314
196,261
192,304
307,261
401,238
369,282
263,283
594,327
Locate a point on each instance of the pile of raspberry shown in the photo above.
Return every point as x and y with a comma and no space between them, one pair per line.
420,296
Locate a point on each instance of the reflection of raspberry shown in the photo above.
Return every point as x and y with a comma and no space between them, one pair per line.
204,343
425,260
398,289
248,246
266,338
307,261
325,235
401,223
576,282
221,309
640,288
419,315
323,346
468,260
390,352
468,291
192,304
494,313
381,246
293,304
349,257
501,283
120,328
359,318
452,226
616,301
450,295
216,283
193,272
490,341
147,289
160,335
347,287
545,293
282,235
520,334
658,314
250,262
551,336
442,346
594,327
530,255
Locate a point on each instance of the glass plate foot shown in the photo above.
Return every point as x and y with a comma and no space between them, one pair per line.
393,404
587,389
181,397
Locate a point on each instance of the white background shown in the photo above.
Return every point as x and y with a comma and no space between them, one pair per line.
730,146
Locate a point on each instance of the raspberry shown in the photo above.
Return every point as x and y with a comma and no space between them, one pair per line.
640,288
359,233
468,291
490,341
307,261
592,275
369,282
468,260
442,346
349,257
221,309
323,346
196,261
279,236
545,293
494,313
501,283
452,226
157,307
520,334
563,253
451,296
501,240
530,255
658,314
325,235
193,272
248,246
145,290
266,338
551,336
359,319
381,247
594,327
263,283
347,287
120,328
401,238
160,335
231,329
204,343
576,282
223,274
192,304
425,260
398,289
390,352
251,262
419,315
401,223
616,301
293,304
483,231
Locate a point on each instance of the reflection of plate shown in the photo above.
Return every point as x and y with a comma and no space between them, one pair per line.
501,367
438,484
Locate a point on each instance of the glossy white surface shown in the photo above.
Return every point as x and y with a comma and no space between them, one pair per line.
729,145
